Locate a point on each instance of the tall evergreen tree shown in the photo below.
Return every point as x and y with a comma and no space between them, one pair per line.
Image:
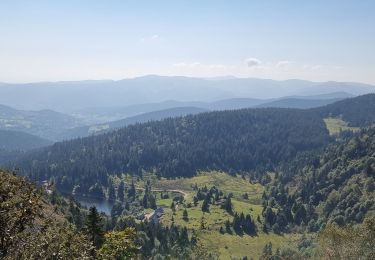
185,215
206,205
152,201
94,227
228,205
121,191
237,224
132,191
227,227
111,192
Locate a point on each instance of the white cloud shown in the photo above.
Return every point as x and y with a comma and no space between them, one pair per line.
253,62
152,39
284,63
317,67
252,67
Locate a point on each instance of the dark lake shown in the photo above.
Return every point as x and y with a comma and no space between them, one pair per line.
101,205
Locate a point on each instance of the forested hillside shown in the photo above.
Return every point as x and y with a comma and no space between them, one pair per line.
142,118
35,225
32,228
251,140
14,140
46,123
259,175
335,186
358,111
299,103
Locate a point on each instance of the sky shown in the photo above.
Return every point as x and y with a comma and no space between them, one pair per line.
320,40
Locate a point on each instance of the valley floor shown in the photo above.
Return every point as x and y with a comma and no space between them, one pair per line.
224,246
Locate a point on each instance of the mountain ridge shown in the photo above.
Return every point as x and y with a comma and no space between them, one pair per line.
65,96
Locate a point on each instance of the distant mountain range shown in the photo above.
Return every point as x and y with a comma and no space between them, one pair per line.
299,103
171,108
142,118
253,140
14,140
95,115
56,126
78,95
46,124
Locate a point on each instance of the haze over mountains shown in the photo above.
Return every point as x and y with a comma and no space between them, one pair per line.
267,144
240,140
142,118
91,107
46,124
77,95
15,140
187,130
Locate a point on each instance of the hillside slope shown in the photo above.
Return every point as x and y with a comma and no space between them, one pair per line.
46,124
299,103
142,118
67,96
334,186
32,228
247,140
99,115
14,140
357,112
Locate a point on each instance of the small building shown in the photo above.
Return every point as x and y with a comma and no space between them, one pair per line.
153,216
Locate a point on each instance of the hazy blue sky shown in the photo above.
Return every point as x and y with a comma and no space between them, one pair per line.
75,39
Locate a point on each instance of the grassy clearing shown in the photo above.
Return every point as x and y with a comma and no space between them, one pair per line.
225,246
337,125
214,219
227,183
247,208
228,246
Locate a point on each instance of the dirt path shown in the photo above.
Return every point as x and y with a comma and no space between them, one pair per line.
186,195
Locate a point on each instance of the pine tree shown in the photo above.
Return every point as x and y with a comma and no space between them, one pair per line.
206,205
227,227
222,230
195,201
228,205
152,202
184,237
121,191
267,251
185,215
127,206
269,216
203,222
111,192
131,191
145,201
94,227
300,215
237,224
242,221
249,227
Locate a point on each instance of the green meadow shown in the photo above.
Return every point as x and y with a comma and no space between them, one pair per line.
224,246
